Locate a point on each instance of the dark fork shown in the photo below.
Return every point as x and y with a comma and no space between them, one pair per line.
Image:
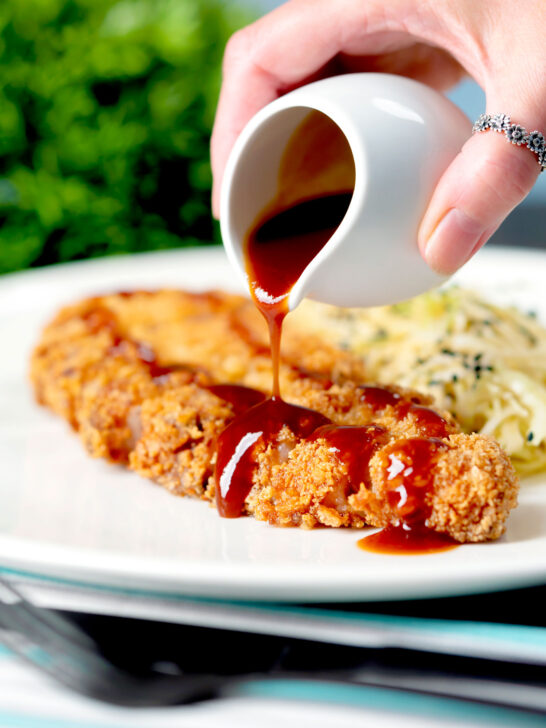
56,646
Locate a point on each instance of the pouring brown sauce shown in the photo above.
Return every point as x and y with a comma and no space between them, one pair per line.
281,243
279,248
316,179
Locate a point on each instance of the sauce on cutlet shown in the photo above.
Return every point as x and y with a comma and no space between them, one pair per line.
236,445
355,446
427,421
407,464
241,398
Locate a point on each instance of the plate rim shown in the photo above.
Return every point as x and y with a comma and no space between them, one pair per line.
78,561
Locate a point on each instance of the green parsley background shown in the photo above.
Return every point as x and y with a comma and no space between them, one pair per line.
106,108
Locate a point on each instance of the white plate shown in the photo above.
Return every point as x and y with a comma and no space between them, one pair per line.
65,515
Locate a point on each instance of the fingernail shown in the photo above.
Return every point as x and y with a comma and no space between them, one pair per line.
453,241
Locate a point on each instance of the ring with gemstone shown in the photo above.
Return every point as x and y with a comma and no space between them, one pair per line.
515,133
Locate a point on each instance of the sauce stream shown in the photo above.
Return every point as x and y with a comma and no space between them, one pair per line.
279,248
316,179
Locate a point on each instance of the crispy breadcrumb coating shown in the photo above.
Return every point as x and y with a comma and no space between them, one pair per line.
474,488
132,374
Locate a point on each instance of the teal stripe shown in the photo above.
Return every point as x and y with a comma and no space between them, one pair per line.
513,633
522,634
9,719
392,701
347,695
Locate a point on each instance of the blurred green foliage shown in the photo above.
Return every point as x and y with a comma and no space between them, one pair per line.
106,108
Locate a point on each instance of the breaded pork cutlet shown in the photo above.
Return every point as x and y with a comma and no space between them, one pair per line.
140,377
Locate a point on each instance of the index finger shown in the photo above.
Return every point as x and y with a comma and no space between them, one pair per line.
286,48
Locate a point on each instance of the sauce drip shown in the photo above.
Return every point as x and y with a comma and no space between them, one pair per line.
399,540
408,467
236,445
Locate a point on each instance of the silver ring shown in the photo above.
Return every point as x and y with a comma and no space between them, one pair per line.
515,134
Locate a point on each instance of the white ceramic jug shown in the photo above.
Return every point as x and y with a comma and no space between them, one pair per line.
402,136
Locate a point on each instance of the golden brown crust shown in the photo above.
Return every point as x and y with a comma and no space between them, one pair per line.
474,489
177,438
131,372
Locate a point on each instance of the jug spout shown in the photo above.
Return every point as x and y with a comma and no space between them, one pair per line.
382,142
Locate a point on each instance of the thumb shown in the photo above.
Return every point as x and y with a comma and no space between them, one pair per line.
487,179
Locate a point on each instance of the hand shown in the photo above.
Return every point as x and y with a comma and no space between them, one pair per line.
500,43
